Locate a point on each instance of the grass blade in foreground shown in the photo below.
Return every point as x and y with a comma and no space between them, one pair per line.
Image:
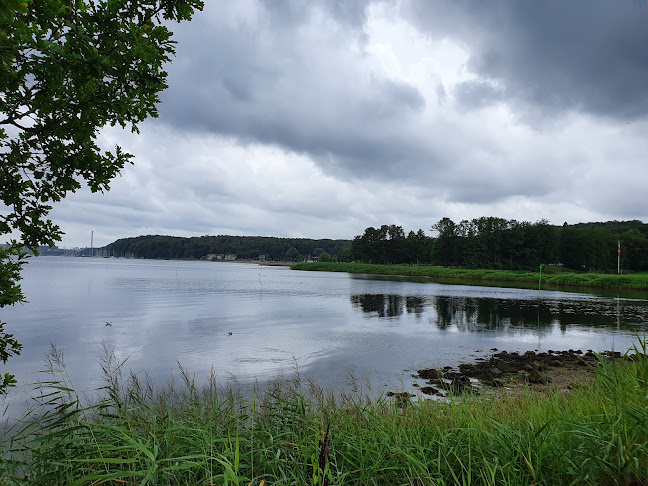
596,434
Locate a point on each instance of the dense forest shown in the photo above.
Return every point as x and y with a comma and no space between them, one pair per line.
485,242
497,243
247,247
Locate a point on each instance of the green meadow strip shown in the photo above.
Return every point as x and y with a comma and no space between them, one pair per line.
286,434
550,276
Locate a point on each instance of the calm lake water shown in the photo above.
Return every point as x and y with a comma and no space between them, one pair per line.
250,322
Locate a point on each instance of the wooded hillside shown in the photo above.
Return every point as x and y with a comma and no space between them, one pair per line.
248,247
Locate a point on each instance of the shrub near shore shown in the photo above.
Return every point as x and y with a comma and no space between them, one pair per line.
292,434
637,281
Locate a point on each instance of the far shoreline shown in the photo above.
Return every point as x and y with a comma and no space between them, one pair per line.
500,278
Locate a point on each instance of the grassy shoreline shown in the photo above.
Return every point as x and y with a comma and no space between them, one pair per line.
292,433
476,276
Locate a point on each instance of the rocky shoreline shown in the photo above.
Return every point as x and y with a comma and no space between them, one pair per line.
510,372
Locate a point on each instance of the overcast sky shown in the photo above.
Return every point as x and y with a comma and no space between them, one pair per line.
319,119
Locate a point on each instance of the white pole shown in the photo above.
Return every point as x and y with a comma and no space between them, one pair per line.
91,243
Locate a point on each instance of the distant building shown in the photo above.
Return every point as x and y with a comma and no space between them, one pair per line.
213,256
53,251
230,256
262,258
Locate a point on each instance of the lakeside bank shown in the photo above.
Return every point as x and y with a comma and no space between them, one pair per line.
293,433
466,276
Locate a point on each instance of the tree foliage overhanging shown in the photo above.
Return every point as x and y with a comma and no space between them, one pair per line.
67,69
497,243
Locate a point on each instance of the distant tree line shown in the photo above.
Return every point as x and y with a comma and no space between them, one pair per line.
246,247
389,245
497,243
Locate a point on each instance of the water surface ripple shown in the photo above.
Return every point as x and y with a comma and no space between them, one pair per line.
250,322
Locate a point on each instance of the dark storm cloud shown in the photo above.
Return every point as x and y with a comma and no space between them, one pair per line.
351,13
290,78
548,56
313,78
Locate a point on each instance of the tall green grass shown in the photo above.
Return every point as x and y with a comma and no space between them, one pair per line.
296,433
565,279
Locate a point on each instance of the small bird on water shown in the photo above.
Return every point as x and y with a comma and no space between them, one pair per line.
229,333
108,323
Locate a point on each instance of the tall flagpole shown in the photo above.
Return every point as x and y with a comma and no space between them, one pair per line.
619,258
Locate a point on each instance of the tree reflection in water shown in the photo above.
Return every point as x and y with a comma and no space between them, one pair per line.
388,305
490,314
